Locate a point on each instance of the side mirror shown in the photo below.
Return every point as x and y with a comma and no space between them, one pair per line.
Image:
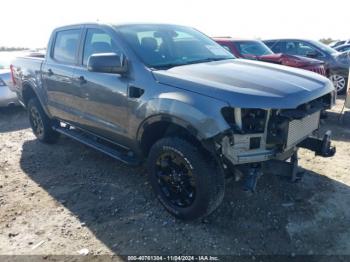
107,63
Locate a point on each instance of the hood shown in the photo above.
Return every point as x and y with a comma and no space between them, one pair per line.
5,75
248,84
290,60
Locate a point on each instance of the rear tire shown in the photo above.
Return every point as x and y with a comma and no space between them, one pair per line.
186,183
41,124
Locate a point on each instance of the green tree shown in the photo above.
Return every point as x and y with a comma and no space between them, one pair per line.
327,41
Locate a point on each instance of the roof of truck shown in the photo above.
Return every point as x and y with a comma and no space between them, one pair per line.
113,25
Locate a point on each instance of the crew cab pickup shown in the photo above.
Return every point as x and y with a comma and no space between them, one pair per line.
170,96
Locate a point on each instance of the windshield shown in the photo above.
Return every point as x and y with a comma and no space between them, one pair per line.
255,48
324,47
162,46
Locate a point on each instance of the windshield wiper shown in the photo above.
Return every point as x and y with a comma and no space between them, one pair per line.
166,66
170,65
206,60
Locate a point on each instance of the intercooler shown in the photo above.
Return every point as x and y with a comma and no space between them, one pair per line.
301,128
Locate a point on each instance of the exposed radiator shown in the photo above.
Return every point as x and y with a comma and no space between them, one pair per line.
300,129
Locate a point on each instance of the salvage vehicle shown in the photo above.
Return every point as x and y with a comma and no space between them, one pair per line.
257,50
336,67
173,98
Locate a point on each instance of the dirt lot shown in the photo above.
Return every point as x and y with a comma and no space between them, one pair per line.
62,198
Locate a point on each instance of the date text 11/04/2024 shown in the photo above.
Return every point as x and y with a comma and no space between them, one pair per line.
173,258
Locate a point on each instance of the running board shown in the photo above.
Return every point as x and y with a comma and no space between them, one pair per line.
100,144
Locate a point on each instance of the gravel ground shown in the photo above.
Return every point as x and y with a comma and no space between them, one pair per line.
66,198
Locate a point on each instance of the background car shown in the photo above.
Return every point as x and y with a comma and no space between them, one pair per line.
343,48
339,43
336,66
257,50
7,97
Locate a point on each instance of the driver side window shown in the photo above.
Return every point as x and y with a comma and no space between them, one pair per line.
307,50
97,41
302,49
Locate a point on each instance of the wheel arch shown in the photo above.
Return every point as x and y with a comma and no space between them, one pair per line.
156,127
30,91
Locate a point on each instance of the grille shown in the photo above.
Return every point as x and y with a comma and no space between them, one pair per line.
318,69
299,129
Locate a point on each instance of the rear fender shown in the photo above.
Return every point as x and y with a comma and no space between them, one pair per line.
39,94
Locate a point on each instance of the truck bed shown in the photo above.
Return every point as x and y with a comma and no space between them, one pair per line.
29,69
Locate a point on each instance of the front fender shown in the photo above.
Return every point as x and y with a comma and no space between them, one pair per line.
199,114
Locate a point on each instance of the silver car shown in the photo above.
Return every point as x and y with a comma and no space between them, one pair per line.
7,97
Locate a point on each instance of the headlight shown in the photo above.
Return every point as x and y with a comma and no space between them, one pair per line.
247,121
253,120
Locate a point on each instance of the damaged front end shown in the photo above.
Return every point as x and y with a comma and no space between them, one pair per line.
263,140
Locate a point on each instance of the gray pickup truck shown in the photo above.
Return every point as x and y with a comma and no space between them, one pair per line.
170,96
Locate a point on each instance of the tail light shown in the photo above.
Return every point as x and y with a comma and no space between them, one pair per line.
12,75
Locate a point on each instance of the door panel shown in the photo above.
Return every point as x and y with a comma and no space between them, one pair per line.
64,101
105,95
105,102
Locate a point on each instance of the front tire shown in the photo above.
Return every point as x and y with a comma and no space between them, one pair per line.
40,123
339,82
189,185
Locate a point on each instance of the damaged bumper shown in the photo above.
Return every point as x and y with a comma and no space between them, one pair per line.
283,135
253,154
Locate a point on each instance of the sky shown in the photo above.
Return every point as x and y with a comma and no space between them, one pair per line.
29,23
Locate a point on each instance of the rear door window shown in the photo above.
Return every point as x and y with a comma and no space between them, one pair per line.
66,46
292,48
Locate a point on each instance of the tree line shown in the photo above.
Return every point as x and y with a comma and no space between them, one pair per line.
4,48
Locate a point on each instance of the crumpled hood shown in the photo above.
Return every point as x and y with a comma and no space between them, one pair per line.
248,84
290,60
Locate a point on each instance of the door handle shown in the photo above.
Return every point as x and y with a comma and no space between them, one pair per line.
82,80
135,92
49,72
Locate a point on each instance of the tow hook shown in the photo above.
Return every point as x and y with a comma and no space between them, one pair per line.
326,149
251,178
321,147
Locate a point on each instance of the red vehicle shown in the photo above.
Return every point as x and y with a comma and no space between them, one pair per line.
257,50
